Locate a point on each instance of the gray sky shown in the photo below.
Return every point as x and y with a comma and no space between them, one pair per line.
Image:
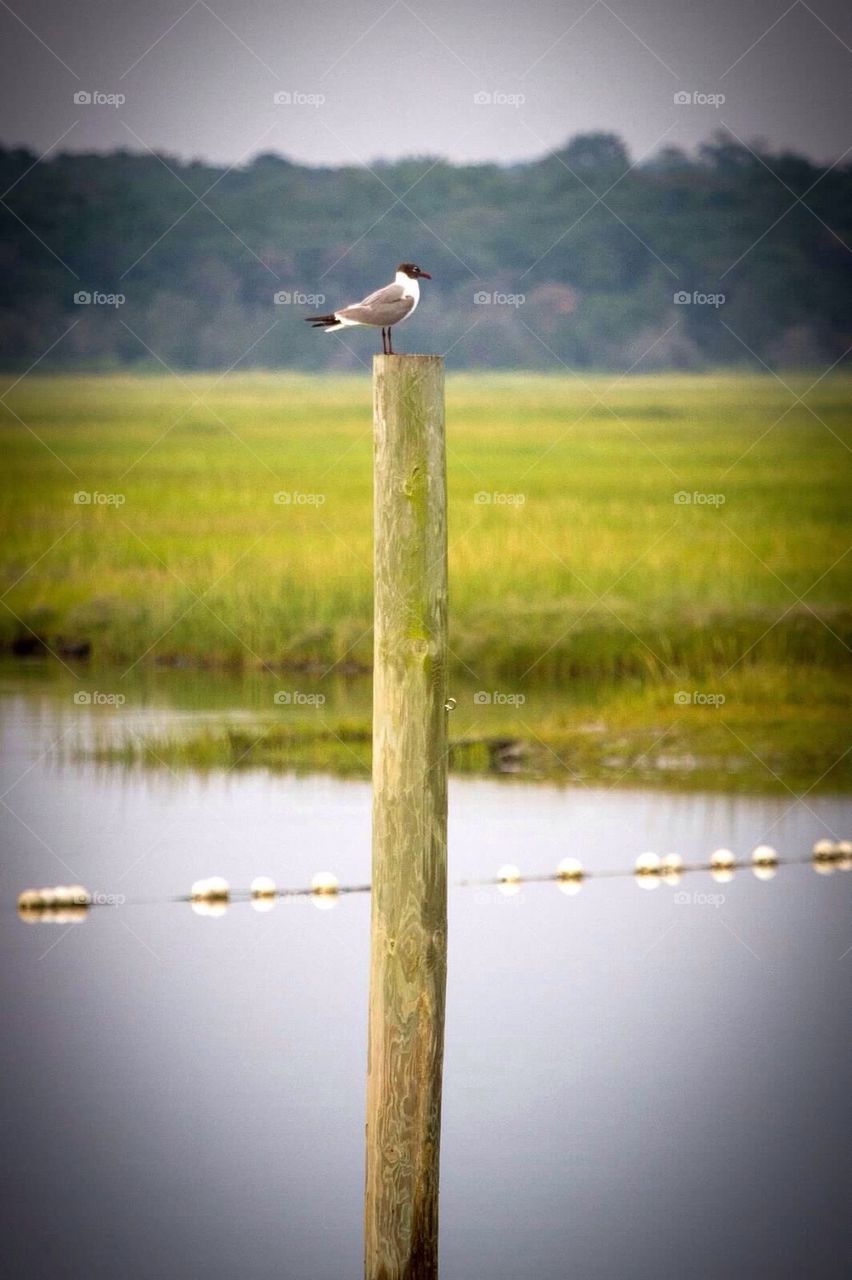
370,78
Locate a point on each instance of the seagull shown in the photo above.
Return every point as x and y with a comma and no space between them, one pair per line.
384,308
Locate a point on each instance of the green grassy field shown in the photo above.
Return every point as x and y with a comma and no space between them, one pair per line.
580,572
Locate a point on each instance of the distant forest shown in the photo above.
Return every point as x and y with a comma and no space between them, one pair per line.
574,259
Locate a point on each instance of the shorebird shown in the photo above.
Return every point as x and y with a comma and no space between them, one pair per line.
382,309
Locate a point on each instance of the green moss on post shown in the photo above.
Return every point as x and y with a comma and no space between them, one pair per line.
408,955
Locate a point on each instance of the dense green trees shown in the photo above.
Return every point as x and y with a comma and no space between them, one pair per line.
580,255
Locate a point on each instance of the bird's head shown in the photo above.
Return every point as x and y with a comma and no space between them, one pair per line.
412,271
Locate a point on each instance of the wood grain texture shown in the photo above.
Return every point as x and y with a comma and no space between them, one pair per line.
408,958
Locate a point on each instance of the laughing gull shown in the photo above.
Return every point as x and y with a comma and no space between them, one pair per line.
384,308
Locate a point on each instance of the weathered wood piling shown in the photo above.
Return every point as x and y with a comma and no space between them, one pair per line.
408,954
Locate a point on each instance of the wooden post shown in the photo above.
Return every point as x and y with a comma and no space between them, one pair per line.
408,947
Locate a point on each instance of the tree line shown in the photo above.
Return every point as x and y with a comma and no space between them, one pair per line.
732,254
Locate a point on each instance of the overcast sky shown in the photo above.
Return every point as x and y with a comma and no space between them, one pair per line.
370,78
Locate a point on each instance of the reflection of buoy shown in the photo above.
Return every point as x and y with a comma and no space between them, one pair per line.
764,861
260,905
262,887
648,866
213,908
722,863
671,868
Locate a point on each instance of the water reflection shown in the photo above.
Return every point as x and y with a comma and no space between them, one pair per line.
184,1099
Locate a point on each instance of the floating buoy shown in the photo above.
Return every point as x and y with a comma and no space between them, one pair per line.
648,867
844,861
60,903
722,863
324,890
263,887
764,861
671,868
569,875
825,856
325,882
508,874
213,889
509,880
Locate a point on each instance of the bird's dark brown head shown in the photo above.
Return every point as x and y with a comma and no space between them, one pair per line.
413,272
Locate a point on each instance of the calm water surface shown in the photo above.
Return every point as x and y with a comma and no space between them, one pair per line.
635,1085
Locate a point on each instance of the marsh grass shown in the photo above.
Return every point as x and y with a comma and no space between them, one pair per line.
583,572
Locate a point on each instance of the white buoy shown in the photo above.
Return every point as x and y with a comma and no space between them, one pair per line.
263,887
825,856
722,863
569,874
509,880
325,882
648,867
844,849
324,890
764,862
213,889
671,868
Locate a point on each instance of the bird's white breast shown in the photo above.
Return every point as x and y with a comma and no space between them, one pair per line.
410,289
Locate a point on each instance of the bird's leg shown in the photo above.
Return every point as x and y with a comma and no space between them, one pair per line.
390,342
384,342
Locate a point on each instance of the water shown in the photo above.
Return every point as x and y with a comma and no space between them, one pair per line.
635,1086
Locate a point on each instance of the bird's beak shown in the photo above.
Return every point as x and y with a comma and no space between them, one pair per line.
425,275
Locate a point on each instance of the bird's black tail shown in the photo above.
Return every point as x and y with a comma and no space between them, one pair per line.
321,322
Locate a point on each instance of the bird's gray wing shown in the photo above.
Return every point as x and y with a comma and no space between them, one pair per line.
384,307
